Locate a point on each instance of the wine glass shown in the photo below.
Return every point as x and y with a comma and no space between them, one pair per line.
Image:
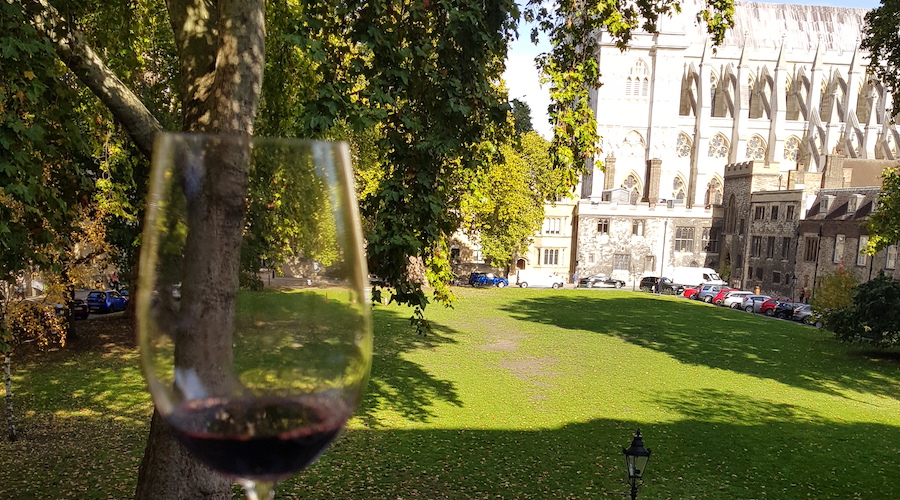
253,322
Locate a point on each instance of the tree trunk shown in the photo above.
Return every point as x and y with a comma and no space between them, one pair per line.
182,477
221,49
7,378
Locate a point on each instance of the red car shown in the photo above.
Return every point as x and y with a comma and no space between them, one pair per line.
691,293
717,300
770,306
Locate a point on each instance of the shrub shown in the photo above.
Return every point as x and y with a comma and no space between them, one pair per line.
834,292
873,317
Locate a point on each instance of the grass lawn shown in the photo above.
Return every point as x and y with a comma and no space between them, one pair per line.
526,394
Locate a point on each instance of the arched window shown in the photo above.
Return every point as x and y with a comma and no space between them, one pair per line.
678,189
792,149
633,185
683,146
633,145
638,82
718,146
756,148
713,192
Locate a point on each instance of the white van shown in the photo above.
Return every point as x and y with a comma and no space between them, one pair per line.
693,276
537,278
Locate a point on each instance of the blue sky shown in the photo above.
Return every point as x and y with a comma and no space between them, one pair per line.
522,77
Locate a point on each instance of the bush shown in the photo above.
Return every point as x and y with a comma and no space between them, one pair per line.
834,293
35,322
873,317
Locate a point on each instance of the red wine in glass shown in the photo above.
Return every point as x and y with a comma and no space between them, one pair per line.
262,439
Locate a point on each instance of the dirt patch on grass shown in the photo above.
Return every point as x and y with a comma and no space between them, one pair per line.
100,333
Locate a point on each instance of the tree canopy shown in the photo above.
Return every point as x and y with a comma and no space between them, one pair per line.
881,37
417,83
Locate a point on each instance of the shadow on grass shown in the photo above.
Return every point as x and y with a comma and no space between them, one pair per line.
691,459
703,335
396,384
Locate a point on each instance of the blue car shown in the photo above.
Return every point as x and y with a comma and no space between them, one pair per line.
106,301
487,279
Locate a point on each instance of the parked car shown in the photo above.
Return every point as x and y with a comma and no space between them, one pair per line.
708,292
600,281
77,308
752,303
776,305
105,301
487,279
719,297
735,298
665,285
785,309
804,314
691,292
539,279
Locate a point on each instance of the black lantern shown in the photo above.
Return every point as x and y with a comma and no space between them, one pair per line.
636,458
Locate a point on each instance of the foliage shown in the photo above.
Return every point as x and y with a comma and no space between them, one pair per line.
881,37
571,68
883,225
833,292
44,171
872,317
34,322
506,206
521,113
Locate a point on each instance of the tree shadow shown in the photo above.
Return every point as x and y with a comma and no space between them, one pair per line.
698,334
690,459
399,385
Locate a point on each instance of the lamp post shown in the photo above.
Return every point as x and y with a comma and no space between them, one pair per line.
636,458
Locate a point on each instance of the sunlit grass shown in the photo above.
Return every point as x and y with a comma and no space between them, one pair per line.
529,394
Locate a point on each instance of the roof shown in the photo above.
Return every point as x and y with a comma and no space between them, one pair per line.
840,200
801,28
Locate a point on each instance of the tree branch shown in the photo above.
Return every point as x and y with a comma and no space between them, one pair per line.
77,54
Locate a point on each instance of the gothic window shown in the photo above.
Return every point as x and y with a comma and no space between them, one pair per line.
718,146
792,100
633,144
713,193
683,146
754,93
686,105
638,82
633,186
792,149
756,148
678,189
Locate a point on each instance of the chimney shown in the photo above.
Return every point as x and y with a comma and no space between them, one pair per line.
651,193
833,172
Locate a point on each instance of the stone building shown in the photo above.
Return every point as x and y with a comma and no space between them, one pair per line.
680,119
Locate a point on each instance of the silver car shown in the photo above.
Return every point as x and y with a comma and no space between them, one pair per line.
752,303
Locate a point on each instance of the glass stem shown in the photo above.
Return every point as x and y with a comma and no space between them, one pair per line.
259,490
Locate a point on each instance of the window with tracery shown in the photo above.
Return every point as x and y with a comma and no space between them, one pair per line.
678,188
792,149
718,146
683,146
638,82
756,148
633,186
633,144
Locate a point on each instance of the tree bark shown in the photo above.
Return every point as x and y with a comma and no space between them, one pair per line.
7,380
221,54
